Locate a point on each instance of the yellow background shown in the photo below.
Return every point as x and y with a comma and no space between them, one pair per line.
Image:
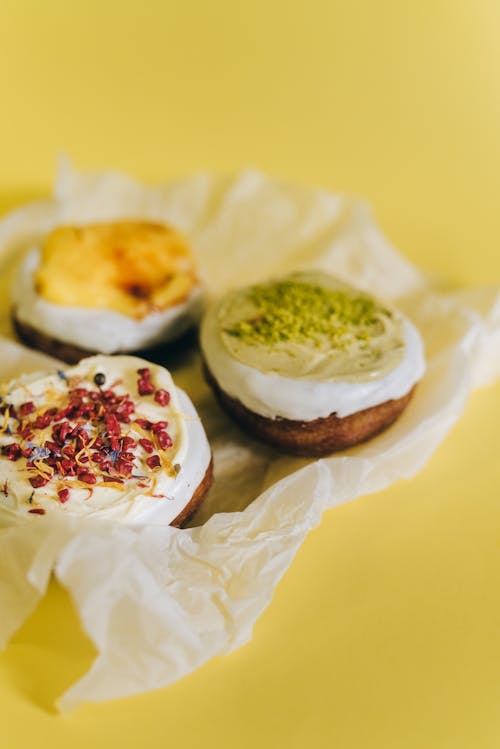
386,630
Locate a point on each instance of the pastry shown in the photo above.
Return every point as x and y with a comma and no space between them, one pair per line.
106,288
310,364
112,437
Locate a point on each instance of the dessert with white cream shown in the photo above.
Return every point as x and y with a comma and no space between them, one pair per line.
112,437
289,355
106,288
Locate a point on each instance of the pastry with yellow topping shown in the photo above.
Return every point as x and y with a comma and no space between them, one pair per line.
106,288
310,364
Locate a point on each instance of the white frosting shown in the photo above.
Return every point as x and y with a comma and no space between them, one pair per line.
130,504
96,329
272,395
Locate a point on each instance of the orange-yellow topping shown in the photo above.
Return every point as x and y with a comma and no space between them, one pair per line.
132,267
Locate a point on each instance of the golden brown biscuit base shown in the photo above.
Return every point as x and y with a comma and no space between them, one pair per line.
71,354
318,436
197,498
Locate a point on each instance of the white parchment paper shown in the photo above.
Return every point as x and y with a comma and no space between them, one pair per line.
158,602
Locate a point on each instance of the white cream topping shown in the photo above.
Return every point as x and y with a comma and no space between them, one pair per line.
166,492
272,395
94,329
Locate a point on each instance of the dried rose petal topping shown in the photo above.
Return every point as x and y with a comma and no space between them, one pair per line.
164,440
162,397
145,387
78,393
38,481
63,495
87,478
144,424
42,421
153,461
37,511
12,451
126,455
147,445
25,409
26,434
67,467
60,432
114,443
112,425
159,426
127,443
124,468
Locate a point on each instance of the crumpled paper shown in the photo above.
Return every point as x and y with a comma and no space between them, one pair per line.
171,599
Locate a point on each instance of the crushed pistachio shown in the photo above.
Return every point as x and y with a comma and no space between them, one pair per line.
307,313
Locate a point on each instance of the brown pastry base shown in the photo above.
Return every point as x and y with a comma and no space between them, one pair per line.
71,354
318,436
197,498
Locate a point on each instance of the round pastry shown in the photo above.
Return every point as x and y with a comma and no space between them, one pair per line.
112,437
106,288
310,364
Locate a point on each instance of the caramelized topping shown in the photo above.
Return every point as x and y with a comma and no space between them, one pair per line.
132,267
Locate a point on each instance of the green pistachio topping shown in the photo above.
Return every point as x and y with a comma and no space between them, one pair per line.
292,310
310,325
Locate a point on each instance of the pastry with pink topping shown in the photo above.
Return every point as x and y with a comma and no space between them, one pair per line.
112,437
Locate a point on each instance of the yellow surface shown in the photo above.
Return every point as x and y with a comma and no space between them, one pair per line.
386,630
